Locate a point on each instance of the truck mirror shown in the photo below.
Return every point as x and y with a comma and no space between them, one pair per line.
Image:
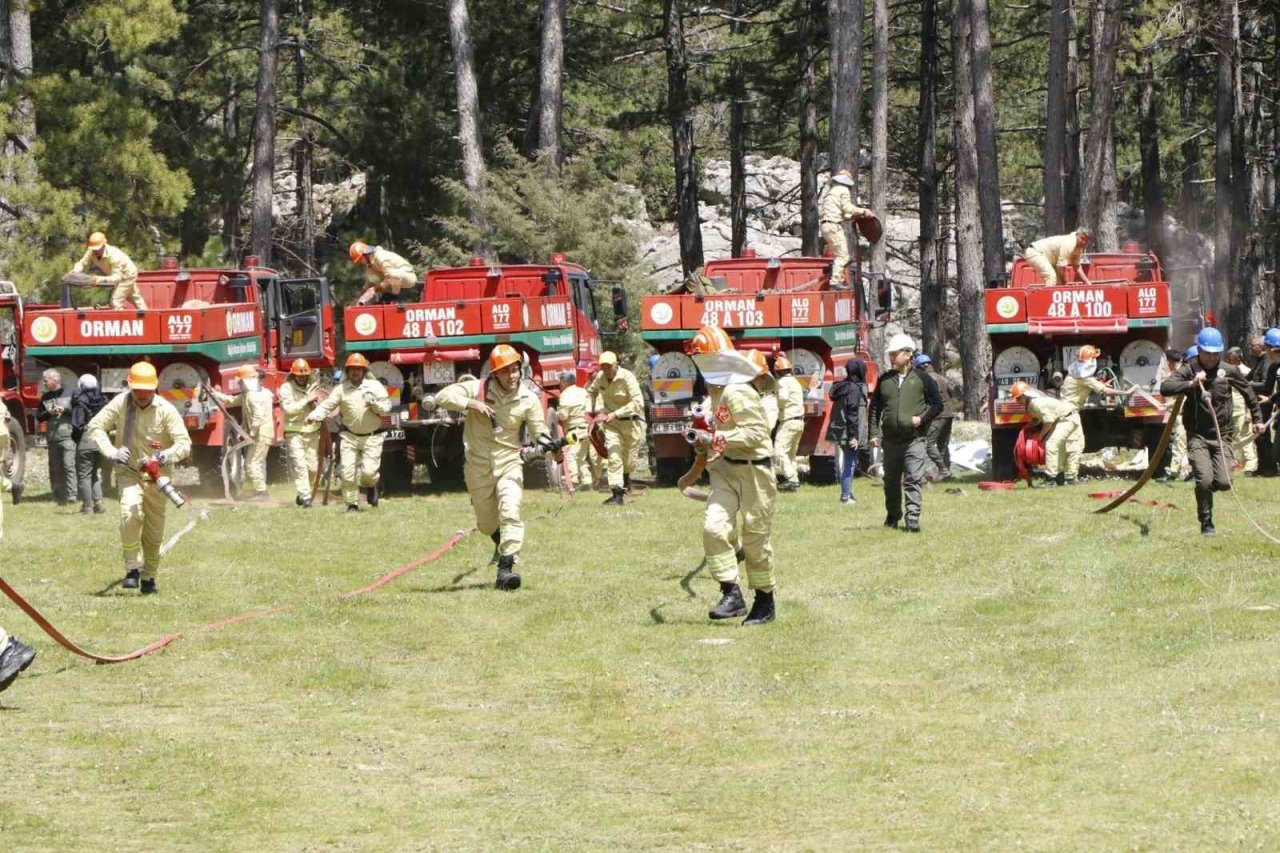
884,298
619,296
551,278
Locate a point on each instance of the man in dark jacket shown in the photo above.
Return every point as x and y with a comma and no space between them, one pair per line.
1206,413
85,405
1262,376
905,402
847,426
55,413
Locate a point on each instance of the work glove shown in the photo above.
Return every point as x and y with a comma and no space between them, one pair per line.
162,456
370,398
121,456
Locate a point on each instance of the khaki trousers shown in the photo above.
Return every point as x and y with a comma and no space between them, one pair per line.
622,439
1178,460
496,502
1063,446
142,526
361,463
304,456
833,235
748,490
1246,450
256,463
785,444
1048,275
127,291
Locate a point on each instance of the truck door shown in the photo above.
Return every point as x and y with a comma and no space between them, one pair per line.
586,324
298,309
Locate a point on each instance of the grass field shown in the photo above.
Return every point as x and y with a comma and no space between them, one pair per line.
1023,674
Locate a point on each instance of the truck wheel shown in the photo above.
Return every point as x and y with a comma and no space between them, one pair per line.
234,470
15,457
397,471
1002,441
670,469
822,470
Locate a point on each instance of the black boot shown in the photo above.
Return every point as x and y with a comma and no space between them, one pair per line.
371,495
149,586
16,491
130,579
731,602
353,507
1204,511
507,578
615,499
16,657
762,611
740,555
626,483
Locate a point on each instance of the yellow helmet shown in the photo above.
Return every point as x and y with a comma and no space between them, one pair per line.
142,377
608,357
97,240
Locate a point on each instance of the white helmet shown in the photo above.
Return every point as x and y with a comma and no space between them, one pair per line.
900,342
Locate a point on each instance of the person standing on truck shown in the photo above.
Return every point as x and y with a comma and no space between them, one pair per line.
1060,430
737,456
1080,382
938,441
115,268
845,430
299,395
623,405
496,410
362,401
55,413
85,404
146,426
1245,452
386,274
571,412
1052,255
1207,415
257,406
790,425
836,209
904,404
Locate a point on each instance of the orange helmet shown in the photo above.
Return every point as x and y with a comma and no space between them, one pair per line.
1088,352
503,355
97,240
782,363
710,339
142,377
758,359
248,371
300,367
357,360
357,251
1019,389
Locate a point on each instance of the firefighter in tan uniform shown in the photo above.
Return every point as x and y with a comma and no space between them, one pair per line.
496,410
386,273
299,395
116,269
1244,447
257,406
1061,431
1081,383
790,425
145,425
571,412
768,391
362,401
738,457
622,402
837,208
1052,255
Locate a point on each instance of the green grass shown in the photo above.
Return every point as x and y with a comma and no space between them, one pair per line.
1023,674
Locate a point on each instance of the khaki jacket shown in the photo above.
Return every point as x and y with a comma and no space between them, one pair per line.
572,409
1047,410
621,397
296,406
389,271
837,206
491,455
358,416
1076,391
114,264
138,429
1062,249
740,420
256,411
790,399
769,400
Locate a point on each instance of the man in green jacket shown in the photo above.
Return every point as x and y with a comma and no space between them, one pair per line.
905,402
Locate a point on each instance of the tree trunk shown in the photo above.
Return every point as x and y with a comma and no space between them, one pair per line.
1226,290
844,20
551,82
232,176
880,123
1191,198
680,114
974,350
1149,143
303,151
20,171
1055,120
468,109
984,113
810,243
1099,204
264,133
932,276
737,139
1071,169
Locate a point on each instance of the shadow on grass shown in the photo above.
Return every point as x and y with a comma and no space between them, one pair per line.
686,583
106,589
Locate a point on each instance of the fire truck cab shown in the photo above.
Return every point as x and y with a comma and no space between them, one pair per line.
1124,310
200,326
12,415
546,311
781,306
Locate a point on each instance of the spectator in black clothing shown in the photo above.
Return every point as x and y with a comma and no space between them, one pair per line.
847,429
86,403
55,413
1262,378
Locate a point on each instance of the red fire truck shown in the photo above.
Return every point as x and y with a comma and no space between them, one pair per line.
547,311
1125,310
12,415
200,326
776,305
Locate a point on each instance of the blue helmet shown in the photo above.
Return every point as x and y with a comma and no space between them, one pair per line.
652,360
1271,340
1191,353
1209,340
922,359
